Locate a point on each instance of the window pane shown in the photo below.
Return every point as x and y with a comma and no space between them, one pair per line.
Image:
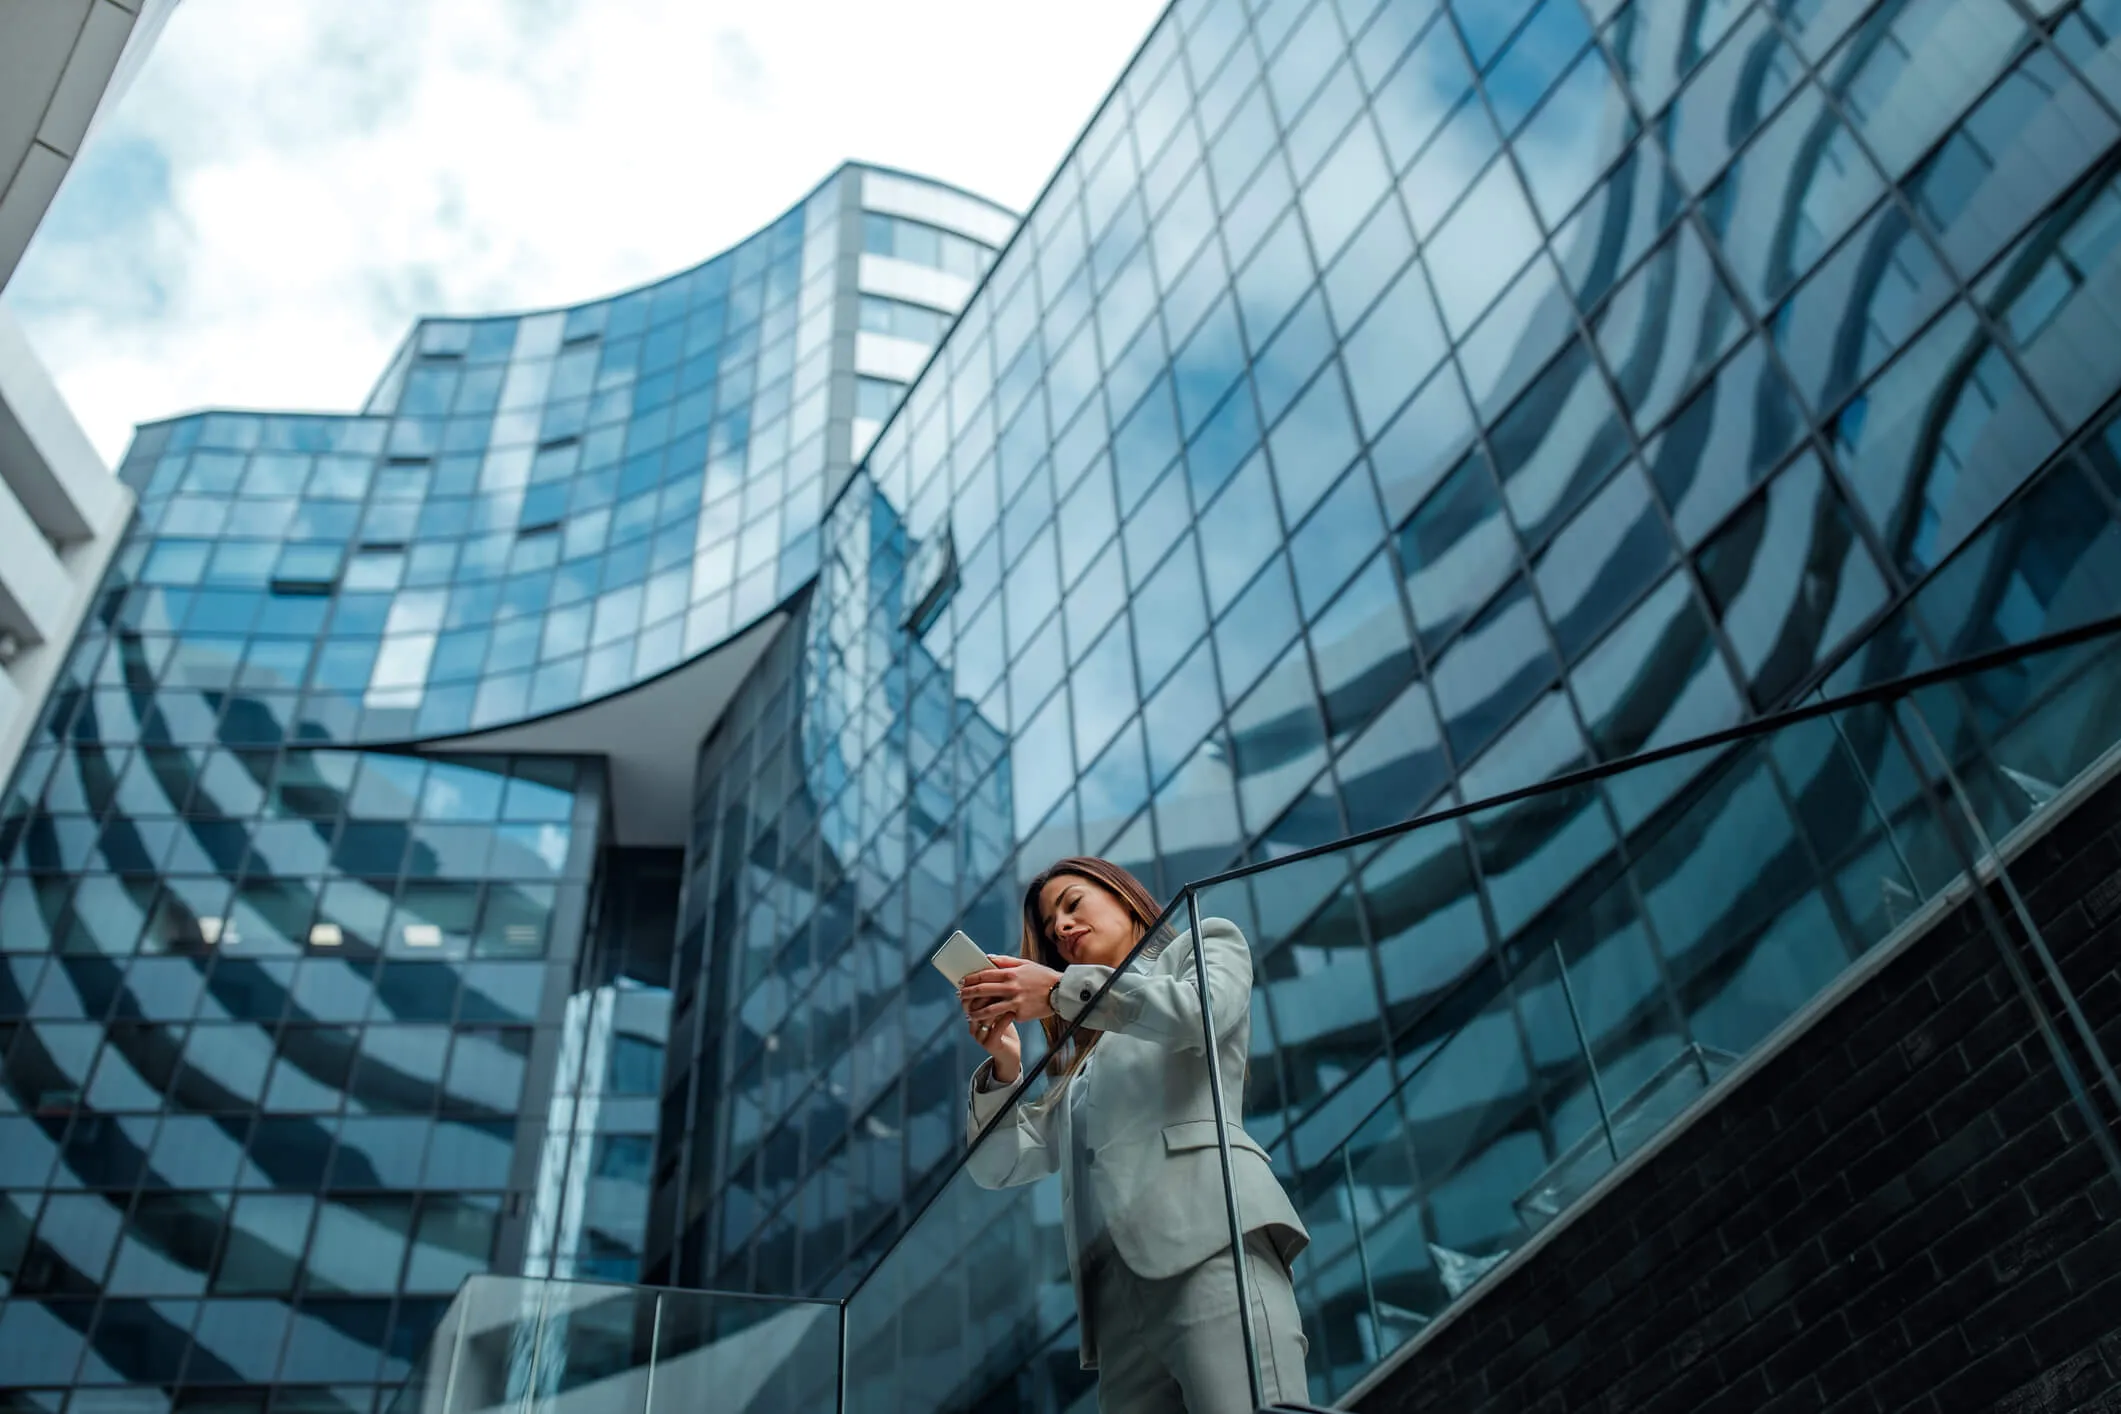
1656,680
264,1244
2017,150
1601,560
1790,196
1724,441
1455,551
454,1240
1666,326
1493,671
1855,311
1392,770
1791,580
1939,439
1557,442
2051,561
1481,247
360,1244
169,1245
1363,648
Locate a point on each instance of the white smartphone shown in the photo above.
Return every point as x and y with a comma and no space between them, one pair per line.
958,958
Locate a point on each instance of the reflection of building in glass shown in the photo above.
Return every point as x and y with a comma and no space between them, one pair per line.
1385,405
297,1034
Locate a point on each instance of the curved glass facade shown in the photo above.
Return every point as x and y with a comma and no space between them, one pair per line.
540,510
297,1035
1388,403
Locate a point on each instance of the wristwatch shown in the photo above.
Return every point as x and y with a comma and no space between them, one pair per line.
1050,992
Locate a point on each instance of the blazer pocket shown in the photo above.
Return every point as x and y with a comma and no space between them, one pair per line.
1200,1134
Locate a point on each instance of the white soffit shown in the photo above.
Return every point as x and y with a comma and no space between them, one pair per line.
649,736
57,58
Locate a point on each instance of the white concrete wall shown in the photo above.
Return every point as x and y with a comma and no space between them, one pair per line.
938,206
886,356
902,279
61,511
62,514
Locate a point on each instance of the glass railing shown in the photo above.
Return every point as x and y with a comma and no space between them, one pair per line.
975,1305
513,1345
1453,1030
1467,1023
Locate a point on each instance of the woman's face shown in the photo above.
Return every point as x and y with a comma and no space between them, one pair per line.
1085,921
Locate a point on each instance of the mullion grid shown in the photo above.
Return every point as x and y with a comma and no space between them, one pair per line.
1755,329
1581,326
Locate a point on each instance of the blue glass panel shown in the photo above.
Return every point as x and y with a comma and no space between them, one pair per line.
1557,443
1789,197
1535,58
1493,671
1339,535
1657,679
1580,128
1939,439
1363,649
1601,561
1171,615
1391,771
1393,350
1858,308
1312,444
1724,440
1481,246
1342,192
1257,628
1791,580
1455,551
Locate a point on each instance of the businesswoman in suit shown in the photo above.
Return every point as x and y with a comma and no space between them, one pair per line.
1128,1122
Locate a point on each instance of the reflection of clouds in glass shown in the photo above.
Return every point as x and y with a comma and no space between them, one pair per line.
552,846
1486,240
1515,336
1448,164
1583,124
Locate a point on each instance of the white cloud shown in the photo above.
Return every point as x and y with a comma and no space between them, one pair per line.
289,183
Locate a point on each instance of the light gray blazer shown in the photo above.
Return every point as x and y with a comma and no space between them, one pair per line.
1136,1148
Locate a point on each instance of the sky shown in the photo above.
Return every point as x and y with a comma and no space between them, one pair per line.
288,184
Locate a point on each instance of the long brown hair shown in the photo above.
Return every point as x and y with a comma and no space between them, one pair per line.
1039,948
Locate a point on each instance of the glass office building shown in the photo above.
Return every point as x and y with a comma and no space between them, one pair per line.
1386,405
298,1033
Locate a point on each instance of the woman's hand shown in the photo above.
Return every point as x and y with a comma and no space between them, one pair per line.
1014,989
999,1039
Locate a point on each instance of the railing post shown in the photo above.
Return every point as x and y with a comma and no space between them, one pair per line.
1222,1150
456,1347
1590,1062
655,1346
1362,1245
2101,1129
840,1384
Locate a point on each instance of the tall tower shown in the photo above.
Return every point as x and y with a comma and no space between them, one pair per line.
341,872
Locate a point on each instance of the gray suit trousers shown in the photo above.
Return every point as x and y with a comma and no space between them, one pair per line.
1173,1346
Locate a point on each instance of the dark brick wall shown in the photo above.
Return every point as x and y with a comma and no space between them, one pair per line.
1905,1210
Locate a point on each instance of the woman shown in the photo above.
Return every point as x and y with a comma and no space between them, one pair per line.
1129,1123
